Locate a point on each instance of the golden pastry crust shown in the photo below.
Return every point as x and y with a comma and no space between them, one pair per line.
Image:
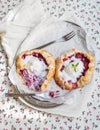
83,80
49,60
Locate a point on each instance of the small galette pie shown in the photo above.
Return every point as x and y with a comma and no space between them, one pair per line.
74,69
36,68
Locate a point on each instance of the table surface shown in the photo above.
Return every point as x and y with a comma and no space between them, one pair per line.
16,116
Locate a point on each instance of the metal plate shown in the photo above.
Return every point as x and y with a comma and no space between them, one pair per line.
33,102
36,103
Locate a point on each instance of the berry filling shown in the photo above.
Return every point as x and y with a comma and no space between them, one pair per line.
53,93
32,81
73,68
35,54
36,71
85,61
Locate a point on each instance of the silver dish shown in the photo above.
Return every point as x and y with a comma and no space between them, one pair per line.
36,103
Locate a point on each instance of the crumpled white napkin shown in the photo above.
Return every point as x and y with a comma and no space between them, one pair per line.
19,23
46,30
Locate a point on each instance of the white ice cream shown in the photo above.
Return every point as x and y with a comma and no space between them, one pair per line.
36,66
72,69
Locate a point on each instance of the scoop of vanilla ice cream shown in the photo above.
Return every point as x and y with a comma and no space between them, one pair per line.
69,69
35,65
73,69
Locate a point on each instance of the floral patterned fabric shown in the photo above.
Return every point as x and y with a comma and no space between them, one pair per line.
16,116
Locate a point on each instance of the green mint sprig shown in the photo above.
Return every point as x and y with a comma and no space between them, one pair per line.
75,66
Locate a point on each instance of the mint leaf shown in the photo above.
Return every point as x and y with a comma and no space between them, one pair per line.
73,65
77,64
75,69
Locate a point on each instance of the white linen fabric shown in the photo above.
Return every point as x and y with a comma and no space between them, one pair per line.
18,23
45,29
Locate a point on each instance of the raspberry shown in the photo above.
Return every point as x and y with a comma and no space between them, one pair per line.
24,56
74,85
79,55
51,94
86,65
62,68
69,81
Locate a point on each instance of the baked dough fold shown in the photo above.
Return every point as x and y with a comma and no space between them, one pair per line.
71,63
43,59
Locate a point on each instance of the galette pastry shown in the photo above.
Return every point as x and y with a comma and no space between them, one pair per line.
74,69
36,68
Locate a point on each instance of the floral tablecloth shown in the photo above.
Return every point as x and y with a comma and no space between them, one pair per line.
16,116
